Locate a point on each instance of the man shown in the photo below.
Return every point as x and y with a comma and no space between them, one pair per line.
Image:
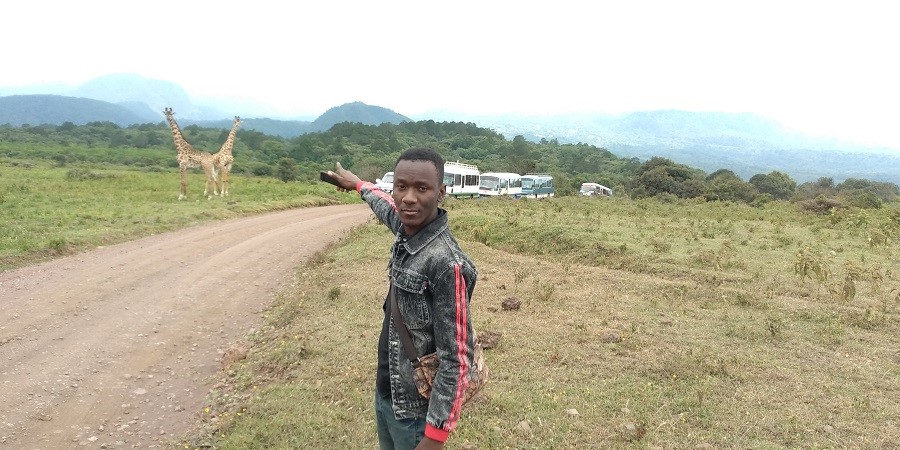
433,280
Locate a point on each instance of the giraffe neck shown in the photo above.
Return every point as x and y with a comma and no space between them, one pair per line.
229,143
180,141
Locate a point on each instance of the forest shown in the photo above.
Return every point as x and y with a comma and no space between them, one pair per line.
371,150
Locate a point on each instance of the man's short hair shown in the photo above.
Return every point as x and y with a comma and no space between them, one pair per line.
424,154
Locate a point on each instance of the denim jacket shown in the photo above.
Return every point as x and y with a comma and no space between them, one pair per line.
434,280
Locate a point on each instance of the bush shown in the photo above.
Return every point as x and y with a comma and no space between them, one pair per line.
287,169
761,199
261,169
60,159
81,174
862,199
821,205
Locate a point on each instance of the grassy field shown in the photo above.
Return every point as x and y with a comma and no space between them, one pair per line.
643,324
48,211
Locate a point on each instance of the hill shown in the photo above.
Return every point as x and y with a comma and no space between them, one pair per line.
282,128
357,112
145,98
742,142
142,94
18,110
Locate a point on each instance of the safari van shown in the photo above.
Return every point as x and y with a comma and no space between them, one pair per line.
386,183
591,189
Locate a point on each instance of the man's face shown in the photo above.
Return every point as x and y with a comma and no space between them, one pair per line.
417,191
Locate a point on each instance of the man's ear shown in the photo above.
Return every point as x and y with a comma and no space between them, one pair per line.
443,192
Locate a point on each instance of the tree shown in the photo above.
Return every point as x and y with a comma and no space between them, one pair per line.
337,147
725,185
260,169
66,126
777,184
721,173
519,157
886,192
660,176
823,187
141,140
825,183
286,170
274,149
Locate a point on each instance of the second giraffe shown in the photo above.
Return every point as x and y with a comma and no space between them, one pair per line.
224,160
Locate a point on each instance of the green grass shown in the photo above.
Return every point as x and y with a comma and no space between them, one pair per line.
710,243
620,343
48,211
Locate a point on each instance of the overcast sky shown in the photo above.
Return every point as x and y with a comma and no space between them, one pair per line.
830,68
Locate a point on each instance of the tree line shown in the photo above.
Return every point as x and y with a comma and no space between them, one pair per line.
370,150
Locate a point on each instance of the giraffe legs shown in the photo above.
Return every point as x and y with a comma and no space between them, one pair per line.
211,180
224,177
226,173
182,194
206,189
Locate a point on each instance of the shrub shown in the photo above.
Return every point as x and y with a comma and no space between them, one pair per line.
81,174
286,170
58,245
60,159
821,205
862,199
761,199
261,169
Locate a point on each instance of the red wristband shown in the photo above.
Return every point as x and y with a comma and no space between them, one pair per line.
436,433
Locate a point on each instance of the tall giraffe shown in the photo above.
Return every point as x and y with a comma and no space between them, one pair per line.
224,159
188,157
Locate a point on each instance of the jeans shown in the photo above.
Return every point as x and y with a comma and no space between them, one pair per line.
395,434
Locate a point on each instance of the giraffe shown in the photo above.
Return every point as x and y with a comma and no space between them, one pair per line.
223,158
188,158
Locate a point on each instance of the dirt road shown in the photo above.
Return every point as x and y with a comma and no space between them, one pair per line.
118,347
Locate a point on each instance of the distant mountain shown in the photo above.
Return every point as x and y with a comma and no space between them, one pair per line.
357,112
142,110
17,110
283,128
134,89
745,143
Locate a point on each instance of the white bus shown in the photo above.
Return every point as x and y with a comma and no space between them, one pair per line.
537,185
592,189
462,179
500,183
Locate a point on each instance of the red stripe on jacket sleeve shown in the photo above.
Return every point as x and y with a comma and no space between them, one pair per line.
373,188
462,377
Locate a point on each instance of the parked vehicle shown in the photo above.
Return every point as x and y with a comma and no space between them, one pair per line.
462,179
386,183
500,183
592,189
537,185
